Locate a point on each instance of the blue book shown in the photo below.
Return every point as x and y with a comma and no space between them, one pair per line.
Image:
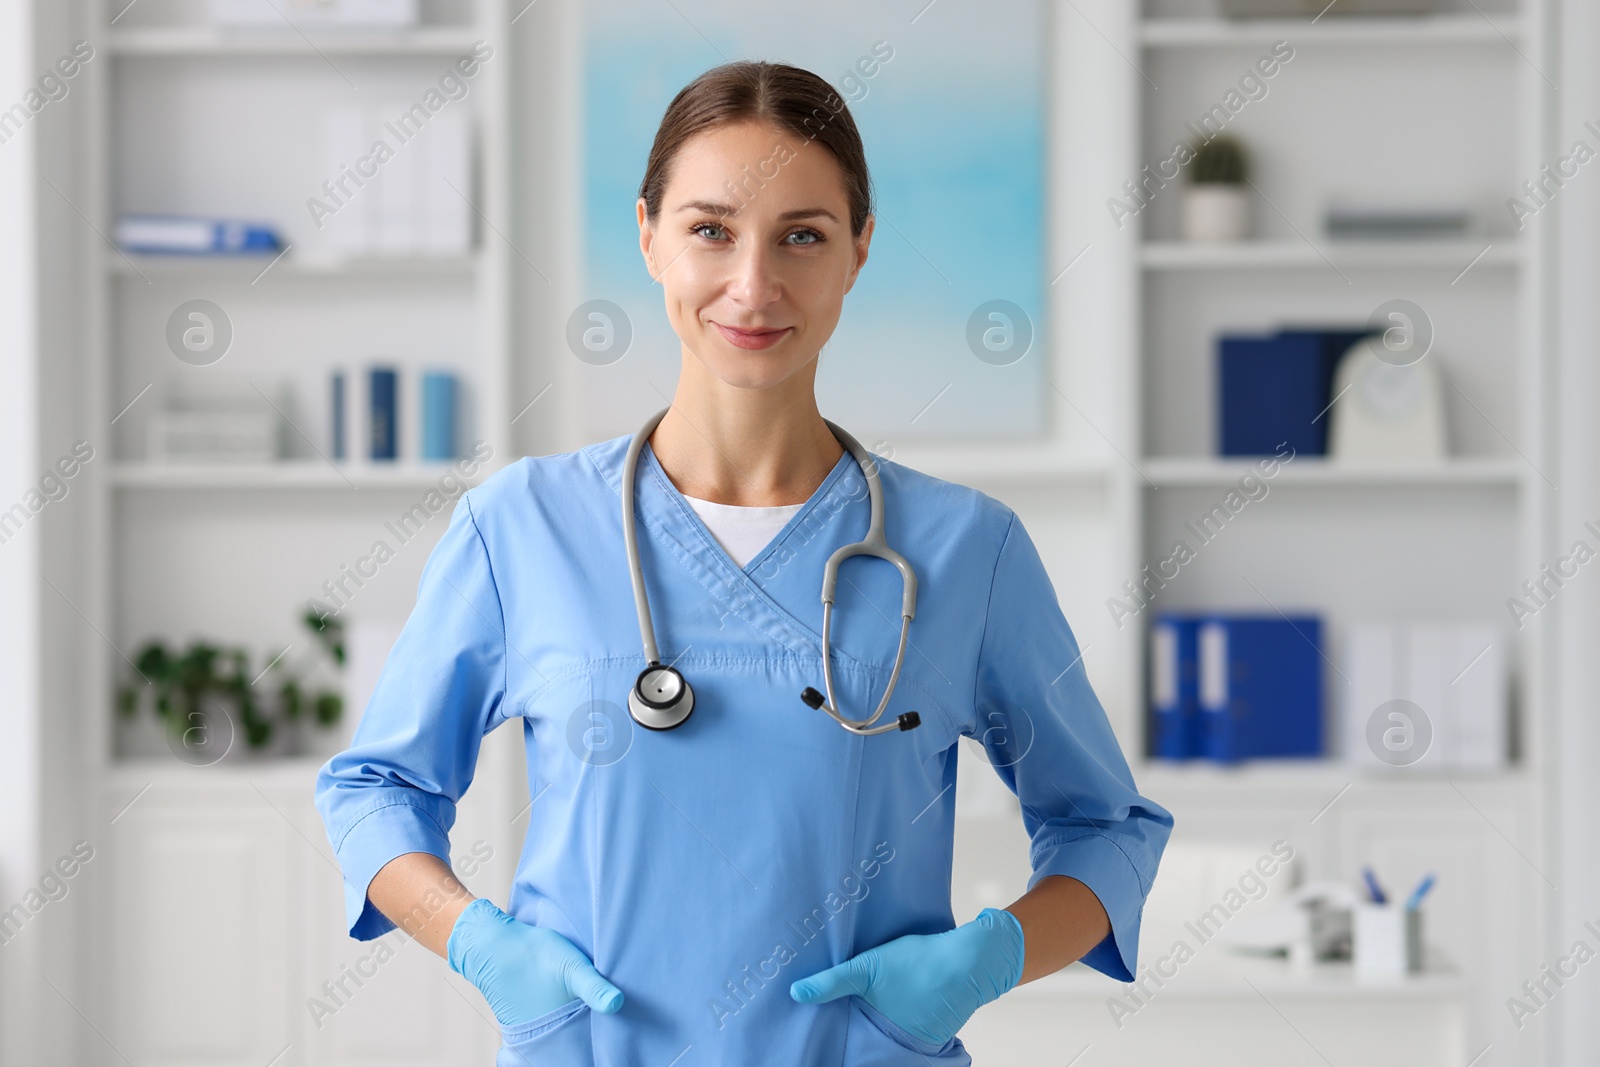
336,401
1174,692
438,415
158,234
1260,686
383,413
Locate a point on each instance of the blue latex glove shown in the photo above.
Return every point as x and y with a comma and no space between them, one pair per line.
928,984
523,971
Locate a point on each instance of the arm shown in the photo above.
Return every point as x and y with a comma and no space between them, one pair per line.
1061,920
421,896
393,792
1047,736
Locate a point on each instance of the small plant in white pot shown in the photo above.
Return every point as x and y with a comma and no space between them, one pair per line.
1216,203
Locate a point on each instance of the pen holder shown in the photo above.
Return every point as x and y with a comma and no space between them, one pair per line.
1388,939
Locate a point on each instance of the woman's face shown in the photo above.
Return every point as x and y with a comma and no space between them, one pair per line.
754,252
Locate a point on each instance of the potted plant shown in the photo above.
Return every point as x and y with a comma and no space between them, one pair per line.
1216,204
216,708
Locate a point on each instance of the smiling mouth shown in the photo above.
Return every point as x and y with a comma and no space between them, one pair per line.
752,339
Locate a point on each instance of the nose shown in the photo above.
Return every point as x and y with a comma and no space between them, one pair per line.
756,281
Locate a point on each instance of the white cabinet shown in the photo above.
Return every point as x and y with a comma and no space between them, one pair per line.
224,934
199,923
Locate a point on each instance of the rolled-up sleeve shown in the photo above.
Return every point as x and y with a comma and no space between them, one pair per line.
394,790
1048,738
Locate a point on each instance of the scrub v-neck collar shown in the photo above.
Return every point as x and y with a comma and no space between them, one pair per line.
662,510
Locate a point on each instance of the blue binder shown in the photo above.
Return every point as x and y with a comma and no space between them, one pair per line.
1260,686
383,403
1275,389
1174,688
438,415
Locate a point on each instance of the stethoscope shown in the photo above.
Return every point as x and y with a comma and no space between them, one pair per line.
661,697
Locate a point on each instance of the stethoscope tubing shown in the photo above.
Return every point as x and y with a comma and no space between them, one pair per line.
874,544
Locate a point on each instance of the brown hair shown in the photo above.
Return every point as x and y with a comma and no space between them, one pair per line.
789,98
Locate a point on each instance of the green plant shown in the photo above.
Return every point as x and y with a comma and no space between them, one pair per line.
1220,161
180,682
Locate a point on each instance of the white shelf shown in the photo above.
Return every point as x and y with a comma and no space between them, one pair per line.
208,41
1452,255
1323,777
127,777
983,464
1331,29
1203,472
289,474
250,268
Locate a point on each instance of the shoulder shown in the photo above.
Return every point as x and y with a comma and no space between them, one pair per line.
956,511
565,479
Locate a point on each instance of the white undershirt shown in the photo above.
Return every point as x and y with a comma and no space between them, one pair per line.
742,532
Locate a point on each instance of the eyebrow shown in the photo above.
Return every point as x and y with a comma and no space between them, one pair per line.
726,210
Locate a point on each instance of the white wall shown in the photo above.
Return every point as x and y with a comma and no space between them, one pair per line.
20,1040
1578,824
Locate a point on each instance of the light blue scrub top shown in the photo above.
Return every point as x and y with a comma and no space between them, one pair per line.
704,869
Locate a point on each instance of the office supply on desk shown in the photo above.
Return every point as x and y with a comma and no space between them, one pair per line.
1391,406
438,415
1387,939
1422,890
1274,389
193,235
1174,692
1374,890
383,416
1260,686
1312,924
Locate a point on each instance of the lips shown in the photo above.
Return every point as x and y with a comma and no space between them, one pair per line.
752,339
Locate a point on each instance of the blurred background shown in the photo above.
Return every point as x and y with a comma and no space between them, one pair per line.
1275,321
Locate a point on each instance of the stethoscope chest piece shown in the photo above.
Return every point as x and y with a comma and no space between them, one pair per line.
661,698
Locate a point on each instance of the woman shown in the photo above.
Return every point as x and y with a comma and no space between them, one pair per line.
753,883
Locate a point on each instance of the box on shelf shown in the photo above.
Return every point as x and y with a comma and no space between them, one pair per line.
216,418
350,13
213,437
412,198
1312,8
1426,693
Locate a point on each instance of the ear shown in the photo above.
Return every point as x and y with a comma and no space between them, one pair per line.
646,239
861,245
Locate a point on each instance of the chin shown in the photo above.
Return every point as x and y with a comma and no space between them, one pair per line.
744,369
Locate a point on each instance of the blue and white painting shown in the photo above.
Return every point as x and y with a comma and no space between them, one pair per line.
943,335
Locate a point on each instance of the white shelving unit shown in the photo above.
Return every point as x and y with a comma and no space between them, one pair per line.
232,553
1369,541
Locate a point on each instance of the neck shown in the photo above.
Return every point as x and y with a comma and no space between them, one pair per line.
746,447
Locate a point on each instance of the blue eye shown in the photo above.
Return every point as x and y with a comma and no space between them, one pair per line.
816,237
